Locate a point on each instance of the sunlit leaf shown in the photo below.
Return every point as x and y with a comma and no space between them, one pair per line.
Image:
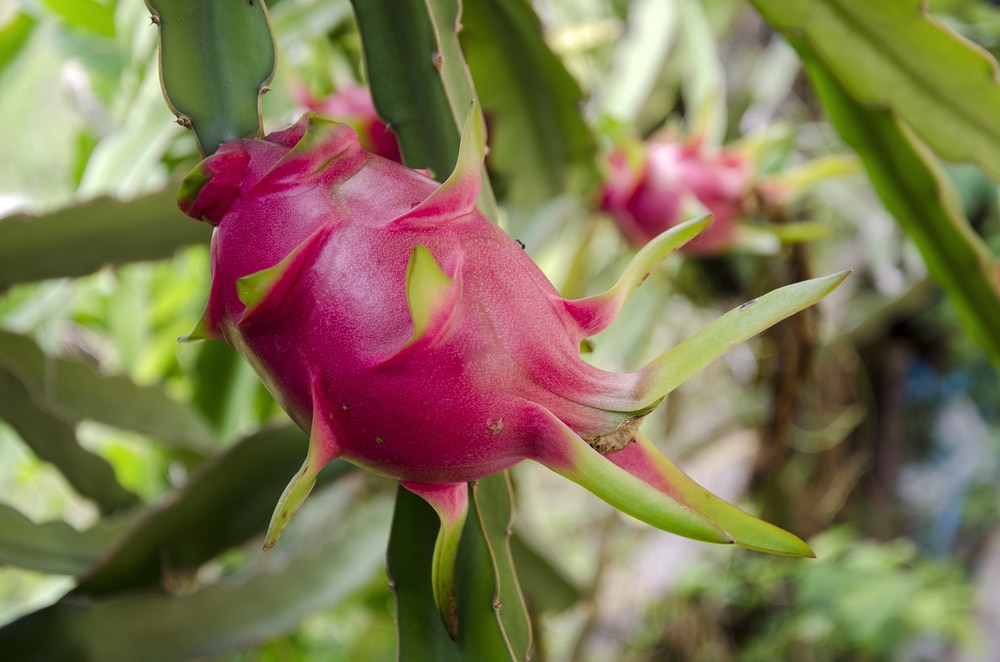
13,35
89,15
891,53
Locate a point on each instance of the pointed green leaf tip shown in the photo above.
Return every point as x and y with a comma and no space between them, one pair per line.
458,194
745,529
187,194
291,499
271,285
253,289
594,313
451,503
671,369
428,291
202,331
323,447
472,150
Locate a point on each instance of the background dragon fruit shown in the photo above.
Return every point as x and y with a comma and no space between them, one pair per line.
652,186
411,336
352,104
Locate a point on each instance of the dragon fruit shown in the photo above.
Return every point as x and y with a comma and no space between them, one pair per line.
411,336
650,187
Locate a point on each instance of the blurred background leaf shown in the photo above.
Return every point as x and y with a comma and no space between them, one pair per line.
81,239
54,440
893,53
539,143
76,392
222,617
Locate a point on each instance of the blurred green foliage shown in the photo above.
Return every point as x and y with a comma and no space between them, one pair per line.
859,600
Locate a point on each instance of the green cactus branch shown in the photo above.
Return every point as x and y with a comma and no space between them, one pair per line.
216,59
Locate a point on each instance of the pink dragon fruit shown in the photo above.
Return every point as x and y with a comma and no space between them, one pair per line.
409,335
352,104
649,187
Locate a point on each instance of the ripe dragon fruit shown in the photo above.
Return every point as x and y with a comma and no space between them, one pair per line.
650,187
411,336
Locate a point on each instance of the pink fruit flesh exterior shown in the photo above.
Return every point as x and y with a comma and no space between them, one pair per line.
333,339
650,196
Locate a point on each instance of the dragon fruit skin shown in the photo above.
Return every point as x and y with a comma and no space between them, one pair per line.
647,191
411,336
462,417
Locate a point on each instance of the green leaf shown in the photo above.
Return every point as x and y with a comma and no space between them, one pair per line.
915,190
54,440
75,391
81,239
673,368
419,631
492,620
51,547
538,136
89,15
546,585
338,556
400,44
216,59
419,81
890,53
323,448
228,501
12,37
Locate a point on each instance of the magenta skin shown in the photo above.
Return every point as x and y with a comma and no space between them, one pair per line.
333,338
647,195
